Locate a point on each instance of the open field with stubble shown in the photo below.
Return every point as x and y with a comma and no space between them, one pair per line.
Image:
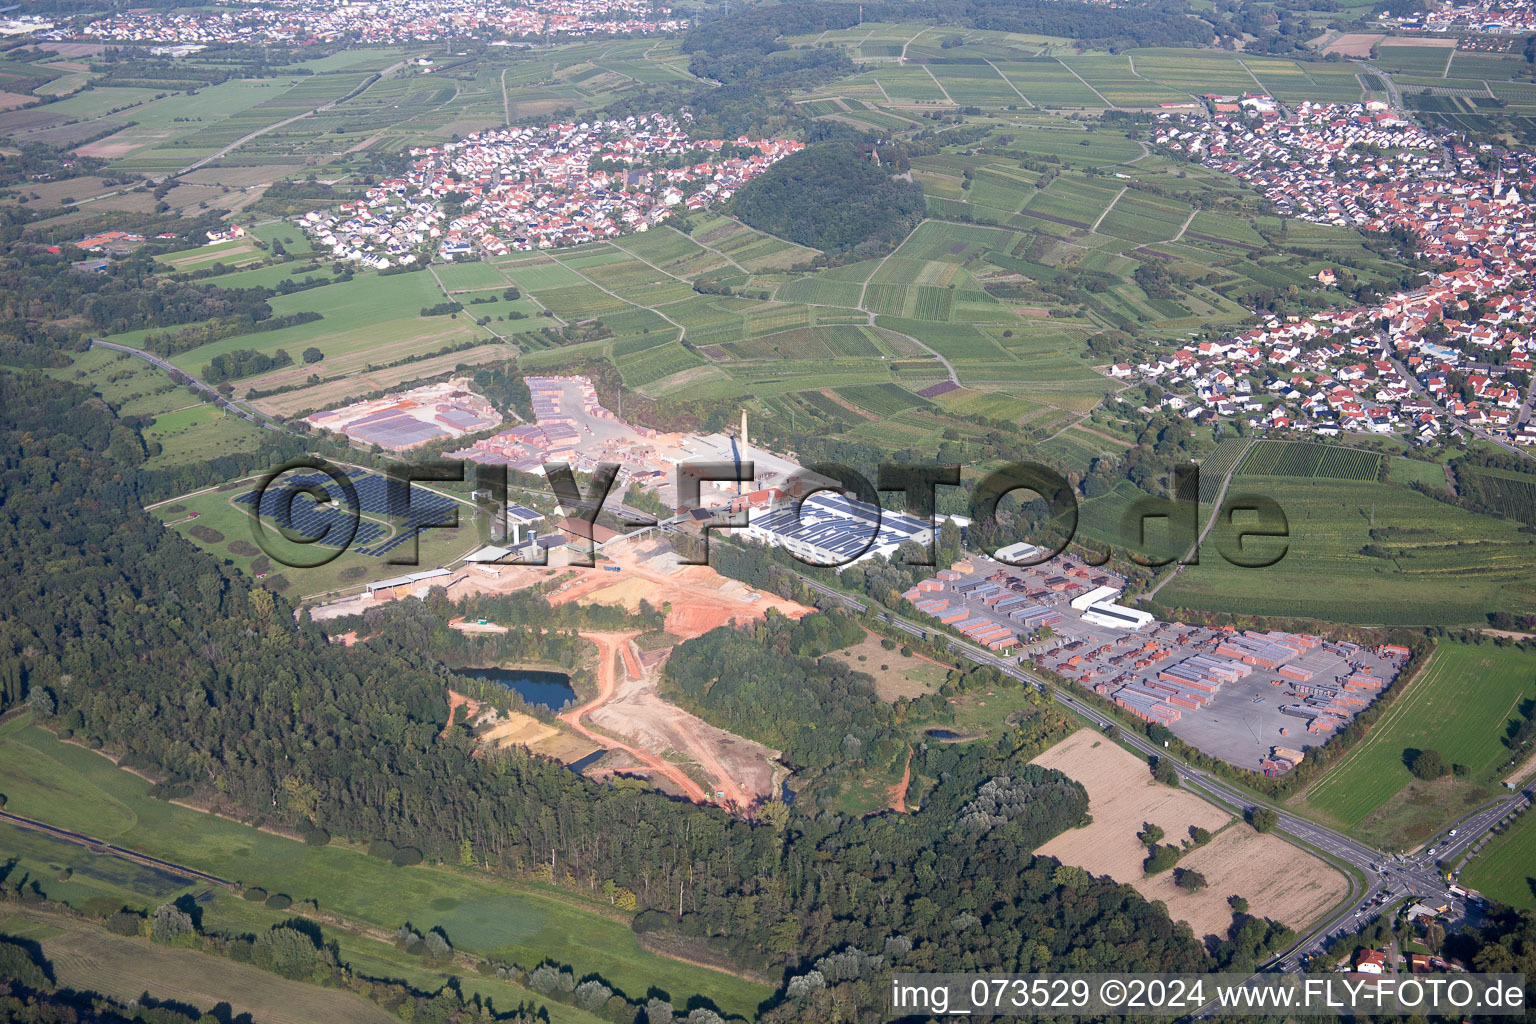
1279,881
89,957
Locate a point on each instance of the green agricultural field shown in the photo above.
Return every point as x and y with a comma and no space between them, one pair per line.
881,399
1411,471
1461,704
1505,870
1309,459
1389,554
196,434
518,923
1415,60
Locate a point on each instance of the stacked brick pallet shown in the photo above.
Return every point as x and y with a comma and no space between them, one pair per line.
1204,672
1362,682
1147,708
1035,616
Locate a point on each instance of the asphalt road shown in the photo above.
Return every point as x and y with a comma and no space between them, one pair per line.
1411,875
218,399
1419,389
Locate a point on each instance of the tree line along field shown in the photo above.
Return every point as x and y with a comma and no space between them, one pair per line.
1461,704
515,923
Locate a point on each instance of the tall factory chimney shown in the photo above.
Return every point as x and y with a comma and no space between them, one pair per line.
743,457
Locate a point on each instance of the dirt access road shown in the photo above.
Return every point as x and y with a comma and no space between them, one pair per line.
607,645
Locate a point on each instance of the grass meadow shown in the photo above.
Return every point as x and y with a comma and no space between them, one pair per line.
74,788
1505,869
1460,704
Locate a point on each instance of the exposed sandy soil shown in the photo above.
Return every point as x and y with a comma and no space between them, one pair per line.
607,684
476,627
1523,769
701,598
513,728
657,739
897,793
457,700
1355,44
1278,880
743,771
120,144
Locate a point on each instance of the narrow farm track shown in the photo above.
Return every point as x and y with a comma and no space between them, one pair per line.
898,792
1087,83
1209,524
258,133
1095,229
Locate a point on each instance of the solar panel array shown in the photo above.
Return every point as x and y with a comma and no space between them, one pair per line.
310,519
839,525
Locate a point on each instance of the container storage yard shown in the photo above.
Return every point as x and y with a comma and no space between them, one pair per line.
1255,698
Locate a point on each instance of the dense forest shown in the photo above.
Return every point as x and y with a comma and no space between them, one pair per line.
46,301
834,198
122,635
815,709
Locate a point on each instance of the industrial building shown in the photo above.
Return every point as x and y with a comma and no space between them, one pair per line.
833,529
415,584
1098,607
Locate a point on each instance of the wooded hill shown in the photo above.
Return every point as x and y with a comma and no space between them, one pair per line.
832,197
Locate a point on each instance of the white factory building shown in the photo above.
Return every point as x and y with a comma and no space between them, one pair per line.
1098,607
832,529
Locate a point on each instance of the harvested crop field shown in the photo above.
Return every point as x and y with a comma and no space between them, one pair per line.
896,675
324,396
1278,880
1355,44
